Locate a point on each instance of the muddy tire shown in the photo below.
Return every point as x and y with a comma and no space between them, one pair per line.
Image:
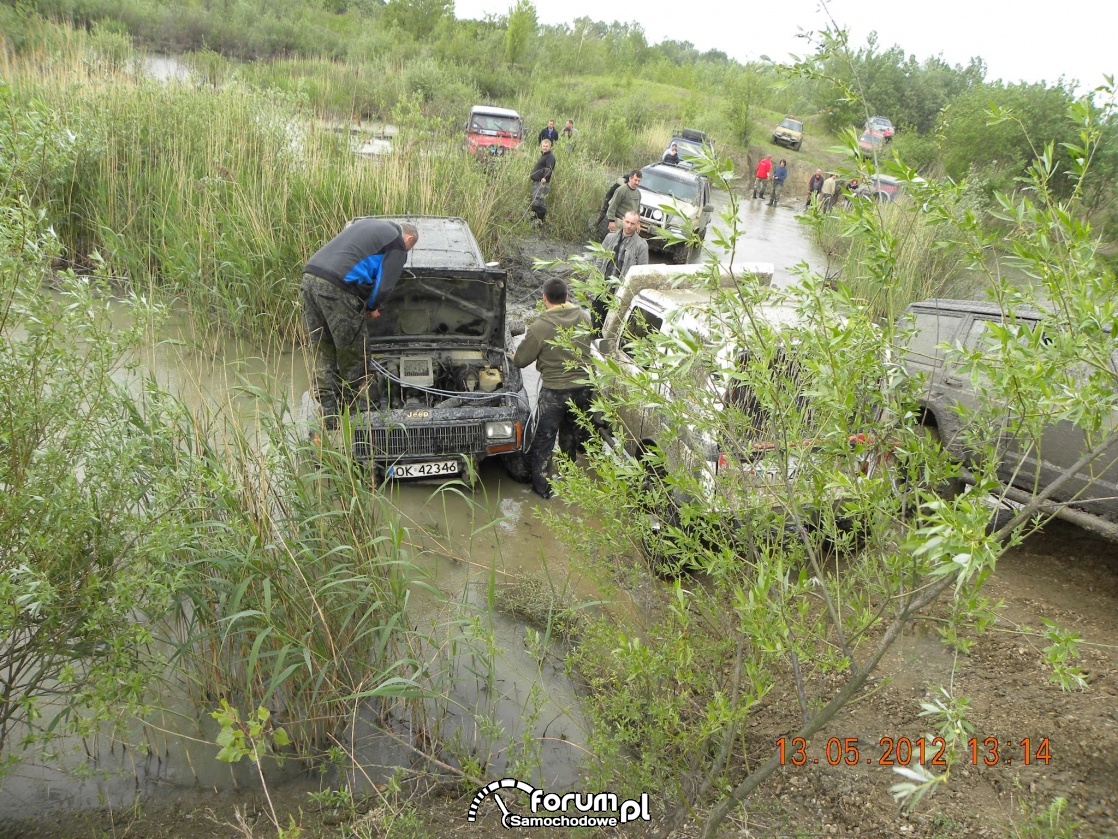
684,254
517,467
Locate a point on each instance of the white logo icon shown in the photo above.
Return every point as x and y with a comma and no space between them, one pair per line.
602,805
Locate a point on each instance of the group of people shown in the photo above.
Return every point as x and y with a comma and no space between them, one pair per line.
347,279
545,166
824,190
767,176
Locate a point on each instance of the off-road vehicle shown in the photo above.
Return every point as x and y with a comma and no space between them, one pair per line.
705,420
882,126
691,143
1090,497
493,131
440,394
674,198
789,133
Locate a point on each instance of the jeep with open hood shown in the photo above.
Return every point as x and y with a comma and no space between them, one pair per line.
440,394
674,199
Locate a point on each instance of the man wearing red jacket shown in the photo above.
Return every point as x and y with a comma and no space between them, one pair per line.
761,178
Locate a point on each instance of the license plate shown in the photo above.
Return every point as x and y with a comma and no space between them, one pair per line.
430,469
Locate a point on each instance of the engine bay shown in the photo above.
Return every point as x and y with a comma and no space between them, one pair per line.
450,378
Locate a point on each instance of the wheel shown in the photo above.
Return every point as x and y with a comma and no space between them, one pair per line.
952,487
684,254
797,146
517,467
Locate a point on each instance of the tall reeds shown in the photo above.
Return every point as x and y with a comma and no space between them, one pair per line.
217,197
888,255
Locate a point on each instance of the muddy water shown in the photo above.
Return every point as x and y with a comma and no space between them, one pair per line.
766,234
468,545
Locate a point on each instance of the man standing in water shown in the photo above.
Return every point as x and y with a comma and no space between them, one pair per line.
561,370
344,284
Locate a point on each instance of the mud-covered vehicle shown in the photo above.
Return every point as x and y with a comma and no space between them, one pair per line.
789,133
674,198
736,427
440,395
950,395
493,131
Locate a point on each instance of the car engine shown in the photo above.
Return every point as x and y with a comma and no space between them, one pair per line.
438,379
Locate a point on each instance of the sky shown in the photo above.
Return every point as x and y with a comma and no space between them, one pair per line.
1019,41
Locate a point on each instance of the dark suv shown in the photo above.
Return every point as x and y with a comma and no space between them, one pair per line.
1089,498
441,394
691,144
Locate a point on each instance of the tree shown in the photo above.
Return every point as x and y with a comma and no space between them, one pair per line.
521,32
1027,117
417,17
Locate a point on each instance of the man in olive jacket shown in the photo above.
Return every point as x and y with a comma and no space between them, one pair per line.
627,198
562,373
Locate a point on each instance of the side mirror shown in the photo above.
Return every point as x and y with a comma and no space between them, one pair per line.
709,208
517,328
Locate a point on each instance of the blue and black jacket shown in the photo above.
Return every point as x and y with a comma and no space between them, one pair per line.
366,258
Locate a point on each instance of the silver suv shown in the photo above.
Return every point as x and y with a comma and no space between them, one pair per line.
674,198
1089,498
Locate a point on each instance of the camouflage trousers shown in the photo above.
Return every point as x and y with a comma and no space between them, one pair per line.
557,418
334,319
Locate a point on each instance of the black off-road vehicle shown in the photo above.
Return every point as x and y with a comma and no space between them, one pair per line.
440,395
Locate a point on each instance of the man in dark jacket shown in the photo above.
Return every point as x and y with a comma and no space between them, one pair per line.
813,187
561,370
541,179
344,284
549,133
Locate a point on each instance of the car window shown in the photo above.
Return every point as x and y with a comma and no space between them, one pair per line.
933,330
978,337
639,325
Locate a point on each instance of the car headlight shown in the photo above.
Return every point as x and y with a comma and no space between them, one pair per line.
657,214
499,430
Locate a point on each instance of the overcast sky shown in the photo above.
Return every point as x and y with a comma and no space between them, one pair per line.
1025,40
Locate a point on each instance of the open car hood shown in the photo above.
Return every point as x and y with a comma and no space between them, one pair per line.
438,309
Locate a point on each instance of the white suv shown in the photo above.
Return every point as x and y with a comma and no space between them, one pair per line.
674,199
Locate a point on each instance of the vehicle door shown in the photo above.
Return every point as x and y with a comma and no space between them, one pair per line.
926,356
706,207
1033,465
642,320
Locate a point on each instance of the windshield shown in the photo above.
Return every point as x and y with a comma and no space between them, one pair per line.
494,125
794,125
660,182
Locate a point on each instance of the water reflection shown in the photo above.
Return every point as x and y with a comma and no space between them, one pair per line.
766,234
